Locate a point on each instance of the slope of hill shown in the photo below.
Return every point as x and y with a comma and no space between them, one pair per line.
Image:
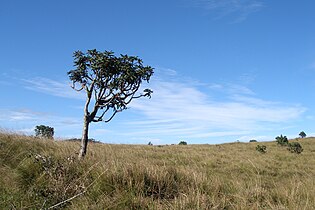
41,174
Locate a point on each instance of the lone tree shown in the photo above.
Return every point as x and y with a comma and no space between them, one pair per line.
302,134
182,143
44,131
110,84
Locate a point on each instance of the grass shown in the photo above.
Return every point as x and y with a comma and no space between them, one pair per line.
39,173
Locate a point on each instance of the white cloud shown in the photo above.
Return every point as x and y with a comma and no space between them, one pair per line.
20,115
176,101
231,88
184,109
239,89
25,120
239,9
52,87
27,131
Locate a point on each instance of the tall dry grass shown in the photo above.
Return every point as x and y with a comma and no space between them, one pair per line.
38,174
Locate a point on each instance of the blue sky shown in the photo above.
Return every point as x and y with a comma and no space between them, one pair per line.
225,70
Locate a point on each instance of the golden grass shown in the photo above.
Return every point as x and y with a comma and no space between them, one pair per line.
37,173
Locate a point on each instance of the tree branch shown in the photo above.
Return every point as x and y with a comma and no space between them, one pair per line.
115,112
100,118
74,88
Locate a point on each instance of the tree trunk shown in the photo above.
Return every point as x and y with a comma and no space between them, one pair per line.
85,137
86,122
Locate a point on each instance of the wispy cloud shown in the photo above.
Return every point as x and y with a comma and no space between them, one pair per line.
231,88
182,101
25,120
184,109
20,115
238,9
52,87
312,66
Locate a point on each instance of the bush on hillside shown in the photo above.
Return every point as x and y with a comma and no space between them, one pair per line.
295,147
282,140
253,140
261,148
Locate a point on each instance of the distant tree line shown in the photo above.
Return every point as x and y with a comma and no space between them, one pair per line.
91,140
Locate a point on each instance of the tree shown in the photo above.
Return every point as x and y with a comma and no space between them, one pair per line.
44,131
302,134
110,84
182,143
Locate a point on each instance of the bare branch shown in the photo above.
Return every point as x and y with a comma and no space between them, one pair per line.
74,88
99,118
115,112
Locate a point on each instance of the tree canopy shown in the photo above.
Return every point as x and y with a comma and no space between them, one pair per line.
302,134
44,131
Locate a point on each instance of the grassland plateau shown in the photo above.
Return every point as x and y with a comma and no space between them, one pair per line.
45,174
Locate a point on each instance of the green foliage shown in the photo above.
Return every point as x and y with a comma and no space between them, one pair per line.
112,81
302,134
295,147
150,143
282,140
182,143
261,148
44,131
253,140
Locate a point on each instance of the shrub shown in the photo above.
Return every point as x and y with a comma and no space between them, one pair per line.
150,143
295,147
261,148
253,140
282,140
182,143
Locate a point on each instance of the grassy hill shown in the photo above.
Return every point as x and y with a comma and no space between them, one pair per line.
40,173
